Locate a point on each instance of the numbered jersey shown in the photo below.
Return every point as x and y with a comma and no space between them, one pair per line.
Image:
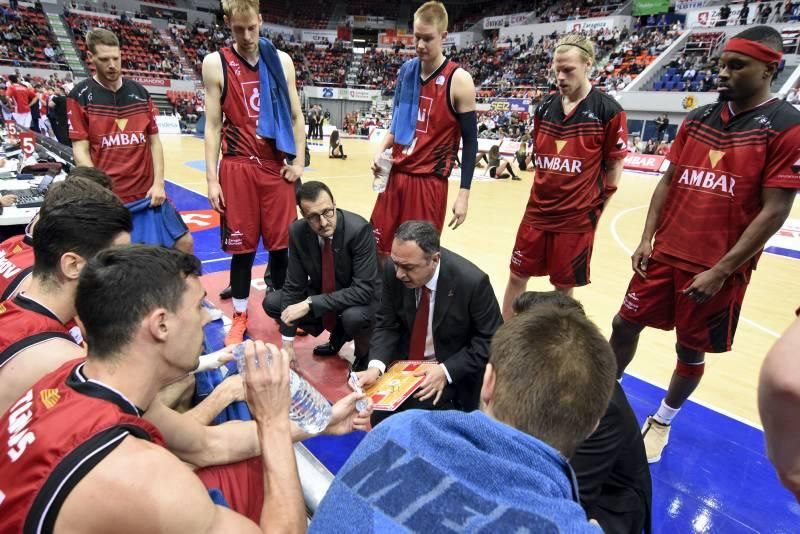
52,437
16,264
435,146
240,107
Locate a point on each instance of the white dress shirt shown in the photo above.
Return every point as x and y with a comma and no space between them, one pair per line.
430,351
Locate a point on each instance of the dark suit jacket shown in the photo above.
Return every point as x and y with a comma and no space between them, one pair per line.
612,471
355,262
465,317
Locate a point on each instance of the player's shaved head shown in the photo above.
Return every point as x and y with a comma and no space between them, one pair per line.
766,35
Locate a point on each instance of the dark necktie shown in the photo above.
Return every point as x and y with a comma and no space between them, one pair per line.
328,282
419,332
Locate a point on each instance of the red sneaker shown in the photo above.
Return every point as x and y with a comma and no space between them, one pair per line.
238,329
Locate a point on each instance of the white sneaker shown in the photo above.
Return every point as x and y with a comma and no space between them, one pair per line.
656,437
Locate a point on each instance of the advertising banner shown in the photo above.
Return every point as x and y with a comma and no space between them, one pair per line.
152,82
649,7
510,104
643,162
588,25
494,23
319,36
168,124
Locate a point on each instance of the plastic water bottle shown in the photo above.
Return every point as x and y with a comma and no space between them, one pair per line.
382,178
308,408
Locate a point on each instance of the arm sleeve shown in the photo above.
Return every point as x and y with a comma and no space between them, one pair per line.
616,144
783,161
596,456
78,121
469,134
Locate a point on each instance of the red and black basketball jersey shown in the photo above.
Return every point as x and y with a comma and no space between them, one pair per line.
25,323
240,108
52,437
435,146
569,187
16,264
118,126
722,163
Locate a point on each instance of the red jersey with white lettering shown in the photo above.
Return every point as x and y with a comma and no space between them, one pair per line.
722,162
569,188
26,323
118,126
21,95
52,437
240,107
16,264
435,146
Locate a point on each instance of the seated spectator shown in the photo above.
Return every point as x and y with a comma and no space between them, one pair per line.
548,382
650,147
611,464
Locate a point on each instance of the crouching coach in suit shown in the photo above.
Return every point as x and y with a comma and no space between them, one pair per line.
435,305
331,278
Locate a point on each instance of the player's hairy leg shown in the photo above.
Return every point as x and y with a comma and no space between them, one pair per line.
624,340
515,287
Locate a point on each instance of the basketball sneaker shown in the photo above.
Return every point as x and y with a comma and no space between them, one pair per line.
238,328
656,437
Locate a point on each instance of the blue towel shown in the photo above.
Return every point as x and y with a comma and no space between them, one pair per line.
423,471
161,225
406,103
275,110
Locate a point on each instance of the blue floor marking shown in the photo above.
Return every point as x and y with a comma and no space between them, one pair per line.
714,475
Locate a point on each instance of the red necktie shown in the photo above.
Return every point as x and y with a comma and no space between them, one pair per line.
328,282
419,333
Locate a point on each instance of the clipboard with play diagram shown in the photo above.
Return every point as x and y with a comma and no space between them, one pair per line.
397,384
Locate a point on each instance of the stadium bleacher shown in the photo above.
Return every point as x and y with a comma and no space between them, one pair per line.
27,39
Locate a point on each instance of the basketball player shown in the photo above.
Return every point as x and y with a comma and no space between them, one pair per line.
254,188
22,97
580,141
16,252
112,126
79,219
417,187
735,166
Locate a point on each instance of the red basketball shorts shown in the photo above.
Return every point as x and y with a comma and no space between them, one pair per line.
242,485
658,301
407,198
565,257
259,204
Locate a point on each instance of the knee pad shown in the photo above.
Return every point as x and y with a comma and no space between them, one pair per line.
690,370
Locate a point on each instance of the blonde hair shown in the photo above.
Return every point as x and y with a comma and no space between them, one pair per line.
580,42
433,13
244,7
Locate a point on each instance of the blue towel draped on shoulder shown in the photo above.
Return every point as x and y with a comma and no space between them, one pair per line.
406,103
275,110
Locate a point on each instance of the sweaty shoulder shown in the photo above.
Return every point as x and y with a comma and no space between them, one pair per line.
150,486
80,91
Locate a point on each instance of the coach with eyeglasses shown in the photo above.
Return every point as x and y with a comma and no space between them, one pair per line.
331,278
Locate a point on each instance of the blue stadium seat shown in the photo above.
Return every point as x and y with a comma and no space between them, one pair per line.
658,86
694,86
669,86
672,71
666,77
680,86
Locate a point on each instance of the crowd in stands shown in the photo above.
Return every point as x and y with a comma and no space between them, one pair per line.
27,39
311,14
379,68
793,96
144,52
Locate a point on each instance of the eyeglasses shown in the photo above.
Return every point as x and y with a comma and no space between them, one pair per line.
317,217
